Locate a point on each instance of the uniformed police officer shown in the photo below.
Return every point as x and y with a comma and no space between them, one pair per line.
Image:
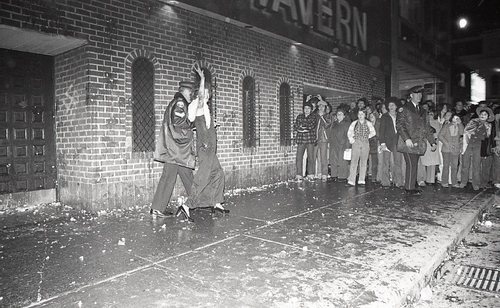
413,131
175,149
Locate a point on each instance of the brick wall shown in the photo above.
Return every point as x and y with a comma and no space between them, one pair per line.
96,165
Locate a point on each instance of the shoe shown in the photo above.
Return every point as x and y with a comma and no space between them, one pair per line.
350,184
421,183
182,209
444,185
361,182
298,178
476,188
413,192
161,214
220,209
456,186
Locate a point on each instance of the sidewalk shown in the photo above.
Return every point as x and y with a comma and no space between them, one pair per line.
290,245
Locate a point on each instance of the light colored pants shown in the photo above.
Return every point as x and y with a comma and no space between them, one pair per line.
450,168
322,158
359,157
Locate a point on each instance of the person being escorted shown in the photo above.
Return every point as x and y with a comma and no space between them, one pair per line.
209,180
413,131
174,149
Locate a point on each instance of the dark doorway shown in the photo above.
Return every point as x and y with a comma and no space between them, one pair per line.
27,137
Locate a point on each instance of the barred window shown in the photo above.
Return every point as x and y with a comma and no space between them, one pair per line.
285,121
249,120
143,113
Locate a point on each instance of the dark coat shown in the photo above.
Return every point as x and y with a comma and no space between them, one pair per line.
388,133
412,124
337,136
175,143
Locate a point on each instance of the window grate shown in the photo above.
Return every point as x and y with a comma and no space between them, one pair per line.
143,114
285,114
249,119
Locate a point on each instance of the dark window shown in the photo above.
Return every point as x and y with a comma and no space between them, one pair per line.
249,123
143,112
495,85
285,123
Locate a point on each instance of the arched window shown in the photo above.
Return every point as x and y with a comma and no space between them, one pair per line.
249,121
143,113
285,121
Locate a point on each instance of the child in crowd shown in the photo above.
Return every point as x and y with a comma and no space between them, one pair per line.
449,136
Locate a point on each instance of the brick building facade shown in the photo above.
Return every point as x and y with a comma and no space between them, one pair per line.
97,165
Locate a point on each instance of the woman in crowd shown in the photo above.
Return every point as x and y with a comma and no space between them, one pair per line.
324,123
475,132
430,159
305,127
339,143
443,115
360,131
450,137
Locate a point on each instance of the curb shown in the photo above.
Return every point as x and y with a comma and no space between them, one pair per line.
427,274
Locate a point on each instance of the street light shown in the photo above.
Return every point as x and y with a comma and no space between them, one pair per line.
463,22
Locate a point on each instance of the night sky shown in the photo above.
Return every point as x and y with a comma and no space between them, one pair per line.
483,15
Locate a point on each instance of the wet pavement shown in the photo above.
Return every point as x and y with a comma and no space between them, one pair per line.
457,284
317,244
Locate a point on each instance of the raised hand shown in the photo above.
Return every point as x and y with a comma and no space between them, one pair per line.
199,71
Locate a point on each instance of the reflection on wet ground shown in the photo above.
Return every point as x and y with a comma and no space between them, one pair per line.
290,244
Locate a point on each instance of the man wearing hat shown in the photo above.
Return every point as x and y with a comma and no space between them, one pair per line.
475,132
392,159
175,149
413,131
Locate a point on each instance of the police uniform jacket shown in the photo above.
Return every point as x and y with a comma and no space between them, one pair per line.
175,143
411,124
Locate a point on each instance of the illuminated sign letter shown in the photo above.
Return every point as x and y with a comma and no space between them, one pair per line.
288,3
359,28
343,21
325,13
305,9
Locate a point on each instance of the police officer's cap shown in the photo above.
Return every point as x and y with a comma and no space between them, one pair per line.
186,84
416,89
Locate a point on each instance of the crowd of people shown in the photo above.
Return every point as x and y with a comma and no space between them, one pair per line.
399,142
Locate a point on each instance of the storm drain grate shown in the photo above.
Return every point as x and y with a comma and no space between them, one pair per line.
476,277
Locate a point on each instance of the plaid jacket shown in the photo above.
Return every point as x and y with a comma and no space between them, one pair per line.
305,128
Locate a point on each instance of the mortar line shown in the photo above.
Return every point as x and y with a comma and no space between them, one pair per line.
311,251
